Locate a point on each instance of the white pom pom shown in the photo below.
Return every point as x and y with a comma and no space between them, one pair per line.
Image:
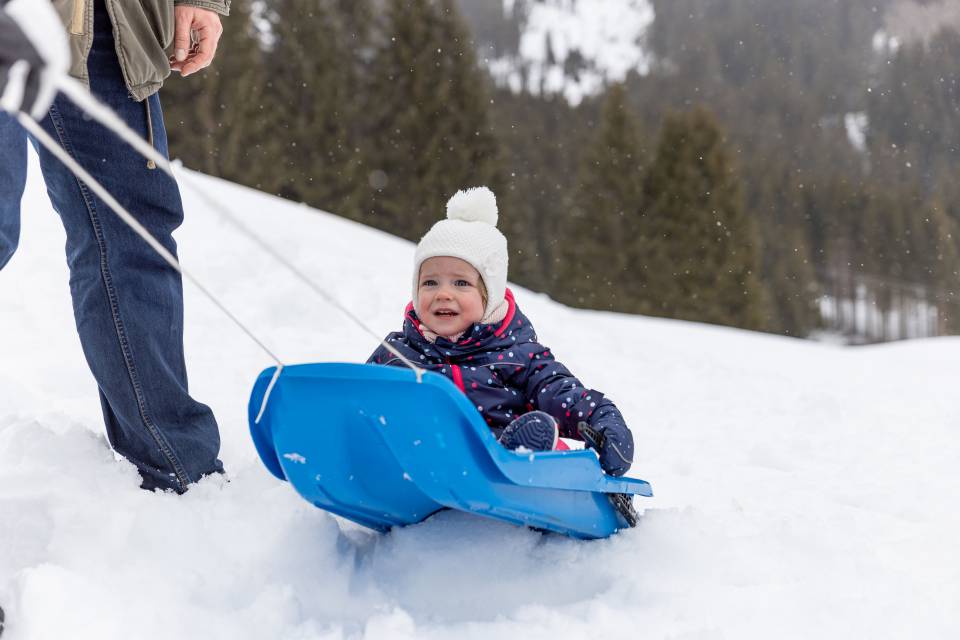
473,205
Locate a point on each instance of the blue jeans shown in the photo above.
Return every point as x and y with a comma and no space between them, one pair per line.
127,302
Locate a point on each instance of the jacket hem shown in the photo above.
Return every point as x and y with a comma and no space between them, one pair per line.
145,90
223,8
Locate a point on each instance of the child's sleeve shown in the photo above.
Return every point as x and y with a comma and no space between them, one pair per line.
549,386
378,356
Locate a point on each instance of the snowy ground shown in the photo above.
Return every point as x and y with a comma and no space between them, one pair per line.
802,490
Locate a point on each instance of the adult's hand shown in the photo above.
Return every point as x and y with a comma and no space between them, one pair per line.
33,56
197,33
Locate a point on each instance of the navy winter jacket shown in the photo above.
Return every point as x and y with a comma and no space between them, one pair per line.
505,372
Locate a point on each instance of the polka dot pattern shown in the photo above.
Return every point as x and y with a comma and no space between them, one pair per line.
505,372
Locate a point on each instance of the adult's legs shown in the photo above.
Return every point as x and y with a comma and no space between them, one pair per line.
128,303
13,176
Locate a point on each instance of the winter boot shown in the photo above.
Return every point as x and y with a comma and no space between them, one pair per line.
535,431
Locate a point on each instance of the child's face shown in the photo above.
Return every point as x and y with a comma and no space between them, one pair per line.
448,295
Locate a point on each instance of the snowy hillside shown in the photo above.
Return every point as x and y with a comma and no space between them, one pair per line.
571,47
802,490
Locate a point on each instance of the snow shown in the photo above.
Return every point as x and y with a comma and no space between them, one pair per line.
803,490
856,124
862,319
884,43
608,34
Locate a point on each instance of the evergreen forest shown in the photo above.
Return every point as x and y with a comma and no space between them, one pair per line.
780,167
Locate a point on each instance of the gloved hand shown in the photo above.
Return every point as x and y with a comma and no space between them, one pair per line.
613,446
33,55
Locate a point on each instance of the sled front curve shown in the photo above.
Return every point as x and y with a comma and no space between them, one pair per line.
318,434
372,444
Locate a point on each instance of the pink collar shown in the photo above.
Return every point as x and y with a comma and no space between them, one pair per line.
511,312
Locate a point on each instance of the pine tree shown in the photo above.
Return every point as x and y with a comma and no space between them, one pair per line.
943,239
542,138
787,268
698,250
600,236
313,70
791,286
216,118
429,132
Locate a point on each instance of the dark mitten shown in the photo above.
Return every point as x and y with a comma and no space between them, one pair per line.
613,444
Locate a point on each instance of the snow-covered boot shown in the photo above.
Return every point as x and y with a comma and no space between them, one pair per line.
535,431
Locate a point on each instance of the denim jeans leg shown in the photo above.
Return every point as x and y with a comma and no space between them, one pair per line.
128,303
13,176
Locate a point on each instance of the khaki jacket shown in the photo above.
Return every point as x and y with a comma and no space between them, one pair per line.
143,32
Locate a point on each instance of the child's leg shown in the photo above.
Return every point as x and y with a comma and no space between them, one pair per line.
535,431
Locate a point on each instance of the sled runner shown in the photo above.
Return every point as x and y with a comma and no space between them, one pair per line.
372,444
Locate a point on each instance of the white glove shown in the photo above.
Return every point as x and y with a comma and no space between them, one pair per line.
34,56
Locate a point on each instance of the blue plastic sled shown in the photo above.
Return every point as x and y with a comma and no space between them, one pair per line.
371,444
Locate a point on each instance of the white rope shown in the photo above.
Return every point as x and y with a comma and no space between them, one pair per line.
53,147
266,396
79,94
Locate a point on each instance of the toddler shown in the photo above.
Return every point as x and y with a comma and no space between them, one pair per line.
465,324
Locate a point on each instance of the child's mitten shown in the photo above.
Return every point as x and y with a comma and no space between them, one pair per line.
613,443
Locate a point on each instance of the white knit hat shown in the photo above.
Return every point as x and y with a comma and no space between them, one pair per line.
469,233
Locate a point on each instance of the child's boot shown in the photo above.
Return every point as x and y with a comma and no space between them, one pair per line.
535,431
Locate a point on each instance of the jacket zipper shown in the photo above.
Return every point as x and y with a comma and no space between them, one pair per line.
457,376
